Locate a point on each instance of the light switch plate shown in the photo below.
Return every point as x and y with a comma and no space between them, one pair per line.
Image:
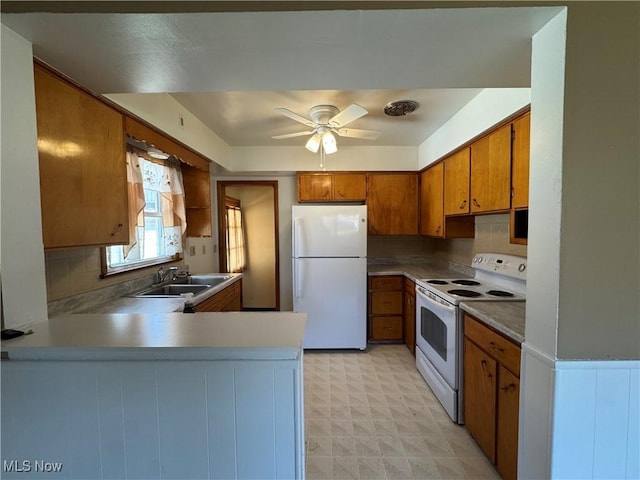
192,250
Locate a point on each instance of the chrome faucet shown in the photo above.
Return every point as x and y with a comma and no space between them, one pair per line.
161,275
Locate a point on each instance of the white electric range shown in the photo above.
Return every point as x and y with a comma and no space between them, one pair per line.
439,325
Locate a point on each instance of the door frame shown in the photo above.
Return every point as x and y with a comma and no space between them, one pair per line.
221,186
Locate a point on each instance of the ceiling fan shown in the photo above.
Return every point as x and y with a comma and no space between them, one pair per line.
325,121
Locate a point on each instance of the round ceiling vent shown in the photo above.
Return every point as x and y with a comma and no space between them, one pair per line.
400,107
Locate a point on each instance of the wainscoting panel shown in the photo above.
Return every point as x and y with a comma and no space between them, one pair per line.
595,420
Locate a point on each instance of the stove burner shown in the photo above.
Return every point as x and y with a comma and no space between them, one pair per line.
437,282
467,283
499,293
464,293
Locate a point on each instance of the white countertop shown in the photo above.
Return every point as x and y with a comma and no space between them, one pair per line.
163,336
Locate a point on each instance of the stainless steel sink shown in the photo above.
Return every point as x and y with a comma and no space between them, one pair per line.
172,290
192,284
211,280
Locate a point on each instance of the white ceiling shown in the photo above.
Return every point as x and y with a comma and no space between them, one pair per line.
232,69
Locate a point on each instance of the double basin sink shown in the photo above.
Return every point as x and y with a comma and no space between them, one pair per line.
195,284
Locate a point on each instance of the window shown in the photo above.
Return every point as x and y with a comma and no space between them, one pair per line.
235,235
157,218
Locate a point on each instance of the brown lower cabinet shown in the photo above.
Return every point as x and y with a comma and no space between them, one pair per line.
386,308
226,300
492,394
409,315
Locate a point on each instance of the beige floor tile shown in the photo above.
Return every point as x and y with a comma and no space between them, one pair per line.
371,468
340,427
319,468
343,446
345,468
319,446
397,468
390,446
371,416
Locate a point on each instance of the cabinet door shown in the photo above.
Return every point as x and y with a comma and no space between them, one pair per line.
480,397
410,315
392,201
386,328
197,193
491,172
457,168
507,429
431,201
83,180
349,187
520,162
315,187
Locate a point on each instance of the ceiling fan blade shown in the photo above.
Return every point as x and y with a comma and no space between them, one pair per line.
291,135
294,116
355,133
348,115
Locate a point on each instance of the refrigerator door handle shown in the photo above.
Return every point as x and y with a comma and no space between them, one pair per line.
297,278
298,237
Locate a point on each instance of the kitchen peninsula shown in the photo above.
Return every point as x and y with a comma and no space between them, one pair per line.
202,395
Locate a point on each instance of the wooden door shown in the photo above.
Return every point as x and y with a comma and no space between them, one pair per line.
480,397
431,201
457,168
315,187
507,428
491,172
392,201
520,162
349,187
83,180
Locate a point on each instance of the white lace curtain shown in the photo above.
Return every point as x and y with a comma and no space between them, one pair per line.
164,178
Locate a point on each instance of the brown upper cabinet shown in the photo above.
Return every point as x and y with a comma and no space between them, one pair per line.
491,172
392,203
197,198
431,201
457,177
433,222
520,162
332,187
83,180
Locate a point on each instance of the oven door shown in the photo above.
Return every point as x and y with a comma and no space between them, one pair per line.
436,334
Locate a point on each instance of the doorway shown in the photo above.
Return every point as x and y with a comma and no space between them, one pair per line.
257,202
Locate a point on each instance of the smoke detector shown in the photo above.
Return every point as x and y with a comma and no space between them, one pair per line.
400,108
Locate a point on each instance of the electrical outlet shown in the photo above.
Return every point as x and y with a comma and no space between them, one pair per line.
192,251
181,121
204,249
215,249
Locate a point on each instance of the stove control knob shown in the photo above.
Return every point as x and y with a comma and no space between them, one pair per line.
522,267
479,259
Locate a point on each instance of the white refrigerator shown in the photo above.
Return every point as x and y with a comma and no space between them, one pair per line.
330,274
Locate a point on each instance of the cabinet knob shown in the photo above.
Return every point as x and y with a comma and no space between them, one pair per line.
496,347
506,388
475,202
117,230
462,205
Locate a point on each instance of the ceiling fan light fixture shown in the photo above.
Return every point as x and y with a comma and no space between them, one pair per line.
400,108
313,144
329,143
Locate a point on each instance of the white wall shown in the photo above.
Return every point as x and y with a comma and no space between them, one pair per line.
489,107
24,298
291,159
163,111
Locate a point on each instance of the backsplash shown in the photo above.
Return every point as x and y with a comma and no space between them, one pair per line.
492,236
399,246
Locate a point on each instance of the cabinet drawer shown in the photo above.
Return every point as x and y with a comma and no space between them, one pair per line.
386,303
494,344
386,328
386,283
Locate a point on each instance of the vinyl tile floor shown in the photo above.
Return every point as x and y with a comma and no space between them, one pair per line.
370,415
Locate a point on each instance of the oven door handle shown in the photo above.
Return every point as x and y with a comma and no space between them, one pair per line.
440,305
